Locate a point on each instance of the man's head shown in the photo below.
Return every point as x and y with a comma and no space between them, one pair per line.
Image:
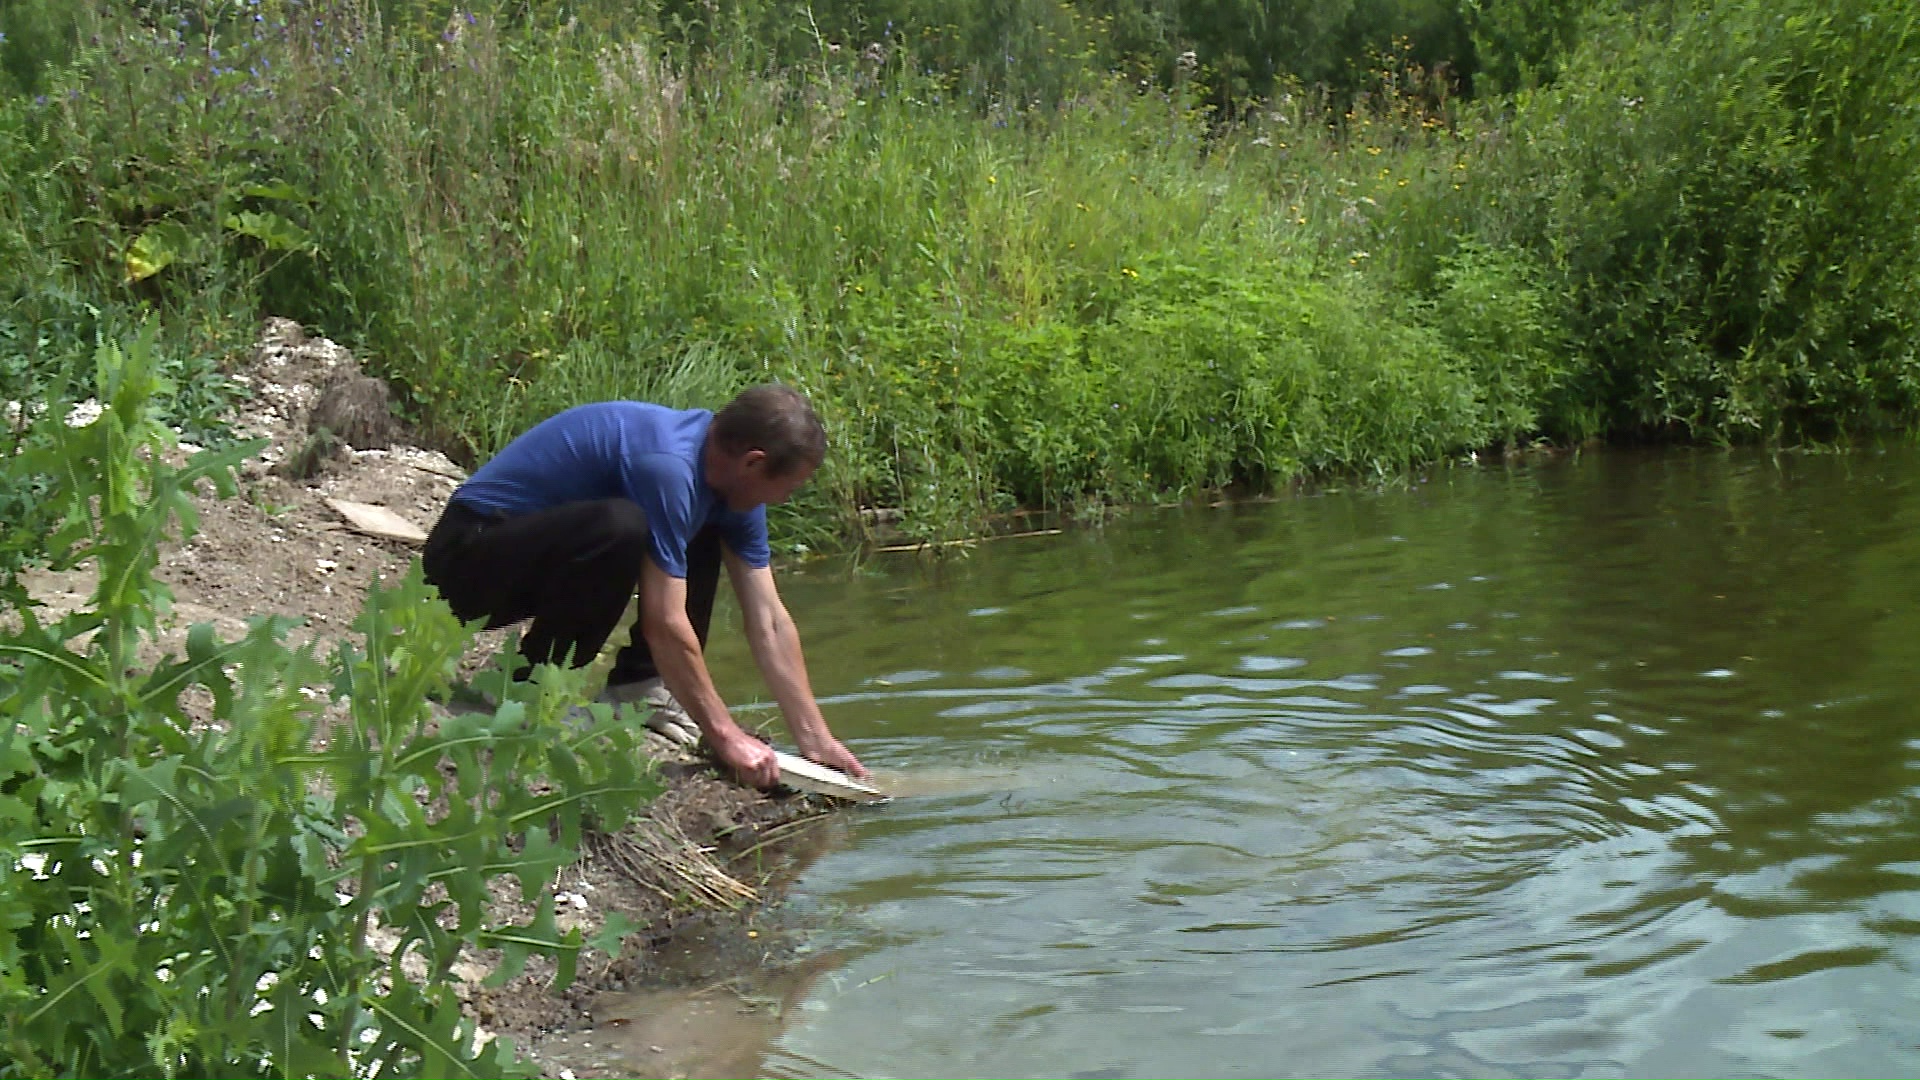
763,446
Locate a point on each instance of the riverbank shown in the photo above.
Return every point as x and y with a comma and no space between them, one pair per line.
1111,296
704,858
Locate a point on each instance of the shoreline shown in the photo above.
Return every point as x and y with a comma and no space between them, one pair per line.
707,852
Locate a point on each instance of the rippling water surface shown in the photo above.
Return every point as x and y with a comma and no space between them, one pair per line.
1595,767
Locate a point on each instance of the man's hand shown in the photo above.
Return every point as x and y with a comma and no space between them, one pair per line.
750,760
828,751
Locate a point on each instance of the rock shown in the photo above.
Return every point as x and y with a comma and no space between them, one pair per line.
358,409
306,462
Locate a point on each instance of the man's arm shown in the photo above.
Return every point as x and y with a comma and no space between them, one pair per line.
683,667
776,649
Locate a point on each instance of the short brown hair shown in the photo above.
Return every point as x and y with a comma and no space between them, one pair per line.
776,420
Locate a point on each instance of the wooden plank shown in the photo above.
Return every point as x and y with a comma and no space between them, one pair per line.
377,521
803,775
972,540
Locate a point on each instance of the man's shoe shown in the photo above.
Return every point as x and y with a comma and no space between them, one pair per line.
666,716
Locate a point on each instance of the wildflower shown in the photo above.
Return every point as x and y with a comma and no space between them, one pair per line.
1374,150
1130,271
992,179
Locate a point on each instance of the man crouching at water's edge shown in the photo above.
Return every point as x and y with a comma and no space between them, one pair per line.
571,517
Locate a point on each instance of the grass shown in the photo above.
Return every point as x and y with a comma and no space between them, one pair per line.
1110,298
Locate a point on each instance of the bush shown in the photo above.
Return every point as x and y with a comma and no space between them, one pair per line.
1731,194
1260,373
191,891
1498,321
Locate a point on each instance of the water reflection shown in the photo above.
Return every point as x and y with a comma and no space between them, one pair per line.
1597,767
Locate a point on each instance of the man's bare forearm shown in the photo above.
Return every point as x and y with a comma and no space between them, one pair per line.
776,647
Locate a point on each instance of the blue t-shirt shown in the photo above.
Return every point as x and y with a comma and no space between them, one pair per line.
621,449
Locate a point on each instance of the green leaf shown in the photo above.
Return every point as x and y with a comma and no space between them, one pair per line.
541,936
613,934
157,248
278,189
415,1021
276,232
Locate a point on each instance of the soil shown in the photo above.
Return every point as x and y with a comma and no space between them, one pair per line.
696,872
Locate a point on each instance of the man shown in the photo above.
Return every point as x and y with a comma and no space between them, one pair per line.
565,523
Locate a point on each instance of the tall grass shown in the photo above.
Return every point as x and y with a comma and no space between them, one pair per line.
1115,297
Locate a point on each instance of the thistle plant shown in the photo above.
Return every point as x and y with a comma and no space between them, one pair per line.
196,850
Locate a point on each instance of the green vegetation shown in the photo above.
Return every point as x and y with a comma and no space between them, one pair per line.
193,890
1050,254
1136,281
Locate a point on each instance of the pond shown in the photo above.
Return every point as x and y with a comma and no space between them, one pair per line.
1601,765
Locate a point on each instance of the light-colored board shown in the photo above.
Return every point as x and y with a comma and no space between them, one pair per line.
803,775
967,540
377,521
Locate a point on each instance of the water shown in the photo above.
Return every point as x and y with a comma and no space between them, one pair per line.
1606,766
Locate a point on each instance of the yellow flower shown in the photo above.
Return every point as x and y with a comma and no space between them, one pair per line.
992,179
1374,150
1130,271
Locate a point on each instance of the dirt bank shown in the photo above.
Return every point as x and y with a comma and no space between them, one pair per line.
701,863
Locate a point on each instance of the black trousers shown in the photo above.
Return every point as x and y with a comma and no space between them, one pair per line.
570,569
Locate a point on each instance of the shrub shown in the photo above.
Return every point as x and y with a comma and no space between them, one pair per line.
191,890
1497,320
1731,194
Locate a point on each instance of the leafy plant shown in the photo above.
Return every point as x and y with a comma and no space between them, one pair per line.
1729,193
198,852
1497,319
